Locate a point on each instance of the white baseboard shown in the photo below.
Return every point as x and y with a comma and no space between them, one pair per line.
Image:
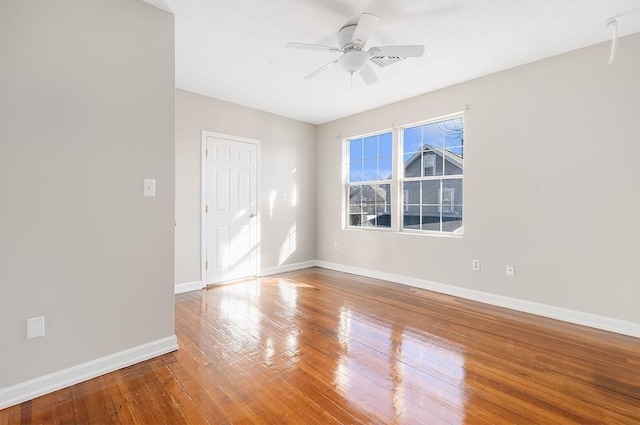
197,284
268,271
46,384
188,286
559,313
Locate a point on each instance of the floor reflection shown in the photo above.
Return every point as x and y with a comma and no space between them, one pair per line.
364,358
404,370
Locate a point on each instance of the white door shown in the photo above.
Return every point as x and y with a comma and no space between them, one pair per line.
231,210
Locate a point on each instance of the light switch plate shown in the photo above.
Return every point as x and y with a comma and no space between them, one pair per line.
35,327
149,187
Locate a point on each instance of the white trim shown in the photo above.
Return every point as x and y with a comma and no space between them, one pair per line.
203,196
566,315
203,204
46,384
188,287
433,120
288,268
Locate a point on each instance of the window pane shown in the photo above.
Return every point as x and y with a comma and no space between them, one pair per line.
432,136
384,169
412,165
370,147
383,209
372,194
370,170
452,187
355,209
452,222
355,219
354,194
355,171
431,192
431,218
411,217
432,163
411,192
384,192
355,150
383,216
455,150
366,195
369,210
453,132
384,145
452,163
412,139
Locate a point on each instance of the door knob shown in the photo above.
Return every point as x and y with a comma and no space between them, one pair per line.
252,215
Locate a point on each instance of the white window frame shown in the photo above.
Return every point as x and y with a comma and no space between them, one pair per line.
398,205
347,183
441,178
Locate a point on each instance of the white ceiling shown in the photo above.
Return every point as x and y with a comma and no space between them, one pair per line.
235,50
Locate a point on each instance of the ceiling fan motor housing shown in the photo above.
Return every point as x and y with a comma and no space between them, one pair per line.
354,60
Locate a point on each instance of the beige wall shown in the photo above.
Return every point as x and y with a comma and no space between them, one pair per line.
86,113
552,185
288,166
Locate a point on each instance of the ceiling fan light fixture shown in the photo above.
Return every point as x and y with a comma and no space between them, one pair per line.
354,60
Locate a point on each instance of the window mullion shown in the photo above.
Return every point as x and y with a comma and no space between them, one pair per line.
396,180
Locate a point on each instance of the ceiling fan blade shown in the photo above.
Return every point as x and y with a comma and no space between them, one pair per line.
317,71
400,51
312,47
368,75
366,25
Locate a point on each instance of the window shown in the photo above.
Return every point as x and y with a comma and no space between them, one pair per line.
433,199
370,172
420,189
429,164
448,199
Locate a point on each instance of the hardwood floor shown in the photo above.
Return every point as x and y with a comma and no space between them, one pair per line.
322,347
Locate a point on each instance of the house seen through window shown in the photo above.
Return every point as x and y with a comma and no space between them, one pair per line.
432,182
430,179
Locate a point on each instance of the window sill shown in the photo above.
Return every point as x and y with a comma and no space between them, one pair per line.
432,233
369,228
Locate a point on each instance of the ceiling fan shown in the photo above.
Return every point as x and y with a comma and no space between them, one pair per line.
353,39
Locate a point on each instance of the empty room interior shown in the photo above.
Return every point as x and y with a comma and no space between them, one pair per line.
319,212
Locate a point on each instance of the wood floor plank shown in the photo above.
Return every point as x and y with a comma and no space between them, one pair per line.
322,347
62,411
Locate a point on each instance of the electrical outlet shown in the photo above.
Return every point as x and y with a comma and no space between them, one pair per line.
475,264
511,270
335,245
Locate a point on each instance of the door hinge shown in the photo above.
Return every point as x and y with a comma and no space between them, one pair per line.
206,152
206,208
206,264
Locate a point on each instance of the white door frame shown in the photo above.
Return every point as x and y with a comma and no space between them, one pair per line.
203,197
